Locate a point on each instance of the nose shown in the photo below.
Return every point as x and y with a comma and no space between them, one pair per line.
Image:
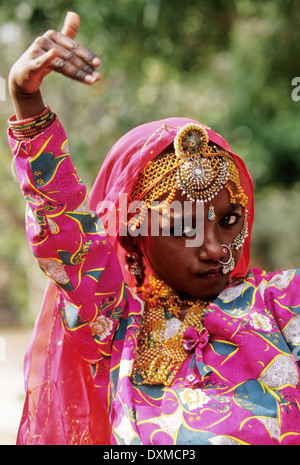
211,249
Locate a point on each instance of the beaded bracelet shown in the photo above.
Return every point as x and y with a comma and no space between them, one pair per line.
31,127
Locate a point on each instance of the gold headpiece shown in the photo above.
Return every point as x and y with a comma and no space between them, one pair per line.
198,169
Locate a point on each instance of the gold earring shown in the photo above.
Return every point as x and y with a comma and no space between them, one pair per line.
136,267
134,264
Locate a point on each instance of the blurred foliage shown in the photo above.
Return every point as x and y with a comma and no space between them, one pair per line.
227,63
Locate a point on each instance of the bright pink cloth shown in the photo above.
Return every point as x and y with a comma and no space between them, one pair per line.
240,386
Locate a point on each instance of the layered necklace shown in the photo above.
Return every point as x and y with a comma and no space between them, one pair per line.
159,354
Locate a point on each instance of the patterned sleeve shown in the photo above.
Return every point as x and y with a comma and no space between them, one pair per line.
282,295
69,243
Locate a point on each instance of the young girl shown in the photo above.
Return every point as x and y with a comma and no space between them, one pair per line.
152,330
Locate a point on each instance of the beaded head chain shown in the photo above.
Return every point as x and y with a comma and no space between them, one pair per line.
197,168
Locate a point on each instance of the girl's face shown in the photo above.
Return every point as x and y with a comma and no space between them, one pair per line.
193,270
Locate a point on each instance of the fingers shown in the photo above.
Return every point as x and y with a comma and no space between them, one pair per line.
70,29
71,25
47,58
53,39
54,51
83,73
71,59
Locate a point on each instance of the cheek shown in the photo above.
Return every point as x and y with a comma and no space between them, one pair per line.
162,253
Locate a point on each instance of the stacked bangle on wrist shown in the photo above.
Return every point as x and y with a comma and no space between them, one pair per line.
31,127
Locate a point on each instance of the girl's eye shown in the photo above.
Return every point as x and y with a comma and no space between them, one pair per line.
230,220
181,230
186,230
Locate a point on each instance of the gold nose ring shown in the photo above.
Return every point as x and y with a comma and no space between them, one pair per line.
227,266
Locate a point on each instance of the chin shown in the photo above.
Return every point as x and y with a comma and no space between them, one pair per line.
210,292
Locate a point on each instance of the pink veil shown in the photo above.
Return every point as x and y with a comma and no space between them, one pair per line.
62,405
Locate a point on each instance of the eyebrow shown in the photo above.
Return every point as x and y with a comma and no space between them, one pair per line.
173,218
178,218
231,208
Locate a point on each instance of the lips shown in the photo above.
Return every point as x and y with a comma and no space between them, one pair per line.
211,274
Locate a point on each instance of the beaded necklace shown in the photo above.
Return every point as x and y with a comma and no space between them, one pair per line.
159,357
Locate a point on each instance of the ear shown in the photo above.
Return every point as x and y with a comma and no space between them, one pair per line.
131,244
134,258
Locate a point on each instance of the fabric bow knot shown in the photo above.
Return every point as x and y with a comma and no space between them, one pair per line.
193,338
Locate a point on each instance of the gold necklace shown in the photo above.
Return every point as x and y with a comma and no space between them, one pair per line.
159,358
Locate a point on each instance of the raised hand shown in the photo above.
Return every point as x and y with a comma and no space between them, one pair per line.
53,51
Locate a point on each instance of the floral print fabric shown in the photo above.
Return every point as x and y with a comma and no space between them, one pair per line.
240,383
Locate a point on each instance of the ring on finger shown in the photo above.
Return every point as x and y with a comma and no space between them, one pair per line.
74,46
87,68
60,64
80,74
69,55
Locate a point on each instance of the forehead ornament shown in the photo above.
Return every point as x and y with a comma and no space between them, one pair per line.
203,171
196,168
190,141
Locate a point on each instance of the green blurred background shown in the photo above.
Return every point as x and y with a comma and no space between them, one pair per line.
229,64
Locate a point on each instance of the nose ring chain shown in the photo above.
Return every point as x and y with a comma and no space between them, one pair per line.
228,265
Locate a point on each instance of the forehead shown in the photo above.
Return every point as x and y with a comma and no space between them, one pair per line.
181,204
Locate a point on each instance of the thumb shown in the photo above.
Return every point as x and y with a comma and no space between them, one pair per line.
71,24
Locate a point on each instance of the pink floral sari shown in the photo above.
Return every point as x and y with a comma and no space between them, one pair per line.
77,380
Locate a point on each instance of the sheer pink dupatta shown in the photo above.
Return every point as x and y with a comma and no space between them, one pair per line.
62,406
